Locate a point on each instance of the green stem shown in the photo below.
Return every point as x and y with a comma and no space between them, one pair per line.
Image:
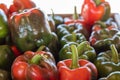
75,15
36,59
75,63
115,57
52,13
97,2
82,46
74,37
41,48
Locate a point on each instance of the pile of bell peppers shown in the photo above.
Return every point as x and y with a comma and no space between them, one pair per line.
37,46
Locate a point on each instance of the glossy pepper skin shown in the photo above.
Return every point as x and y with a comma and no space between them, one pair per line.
6,57
4,31
107,62
57,19
39,65
103,35
74,37
30,29
85,51
94,10
73,69
4,8
112,76
19,5
64,29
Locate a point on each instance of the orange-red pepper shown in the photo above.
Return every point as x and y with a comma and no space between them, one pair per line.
74,69
19,5
94,10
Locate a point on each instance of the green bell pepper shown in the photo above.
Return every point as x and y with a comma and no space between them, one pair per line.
4,31
85,51
108,61
56,18
103,35
74,37
6,57
64,29
112,76
30,29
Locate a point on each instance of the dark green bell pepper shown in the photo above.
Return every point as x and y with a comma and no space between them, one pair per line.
64,29
30,30
108,61
103,35
112,76
6,57
4,31
57,19
85,51
74,37
4,75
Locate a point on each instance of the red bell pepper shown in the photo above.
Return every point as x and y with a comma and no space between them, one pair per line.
4,8
94,10
74,69
39,65
19,5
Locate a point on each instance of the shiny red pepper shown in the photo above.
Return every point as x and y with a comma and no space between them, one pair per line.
4,8
74,69
38,65
94,10
19,5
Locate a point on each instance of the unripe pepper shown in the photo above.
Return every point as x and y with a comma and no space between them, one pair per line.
103,35
85,51
4,30
30,29
108,61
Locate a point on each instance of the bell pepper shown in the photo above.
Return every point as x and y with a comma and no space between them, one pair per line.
76,69
39,65
4,75
4,8
52,24
30,29
64,29
6,57
112,76
94,10
103,35
107,62
19,5
56,18
109,24
4,31
74,37
85,51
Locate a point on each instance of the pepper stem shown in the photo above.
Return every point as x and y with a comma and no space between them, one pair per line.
82,46
74,37
115,58
75,15
75,63
41,48
36,59
97,2
52,13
